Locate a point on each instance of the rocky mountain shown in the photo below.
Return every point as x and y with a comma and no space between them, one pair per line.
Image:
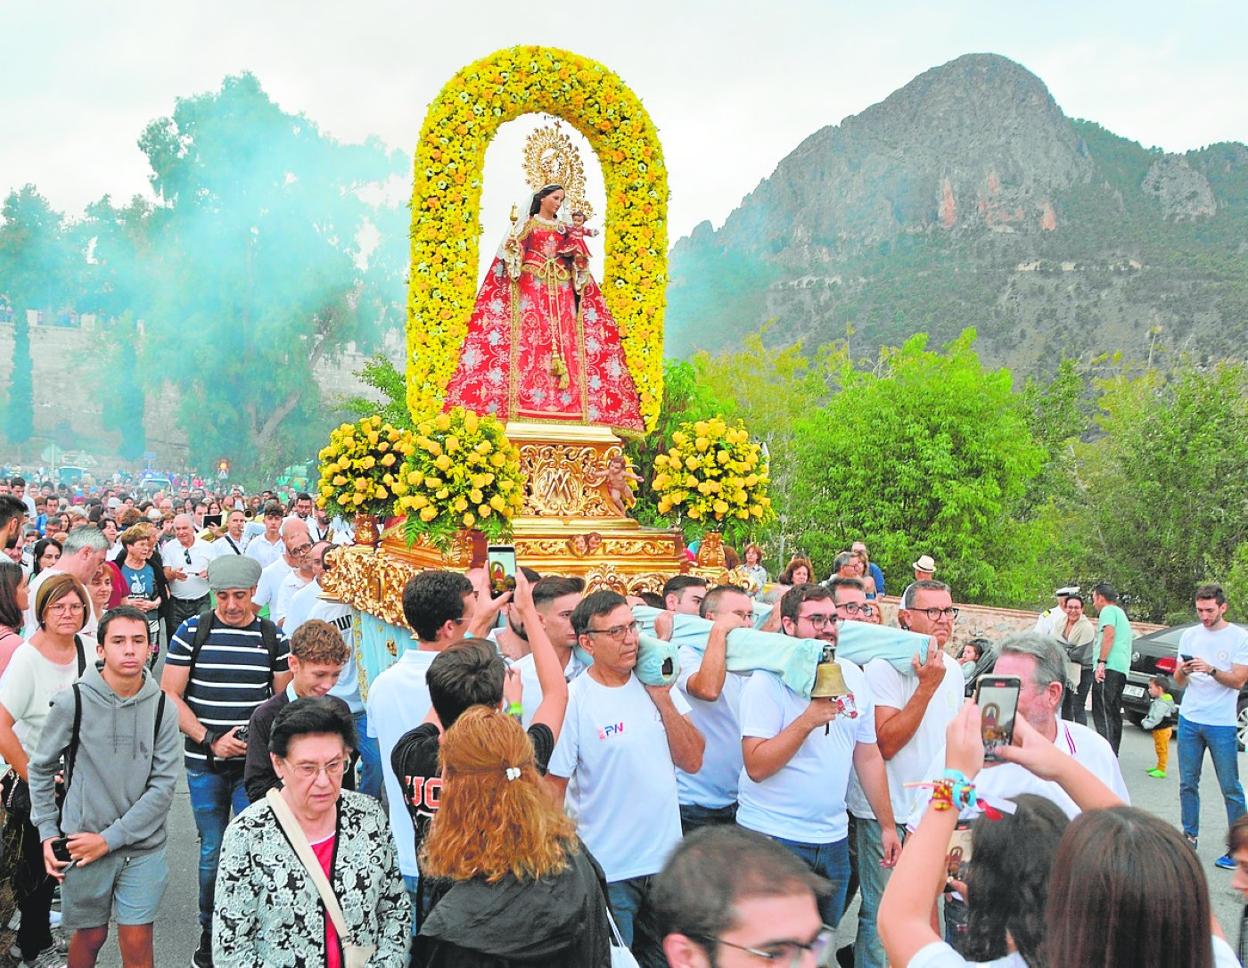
968,198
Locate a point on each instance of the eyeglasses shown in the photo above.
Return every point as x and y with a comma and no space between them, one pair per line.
789,954
820,621
616,632
186,553
935,614
745,616
856,608
310,771
300,551
60,608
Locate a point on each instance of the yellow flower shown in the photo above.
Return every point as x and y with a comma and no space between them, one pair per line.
469,519
428,514
443,463
339,480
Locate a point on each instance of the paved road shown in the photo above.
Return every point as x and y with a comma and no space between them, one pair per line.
177,934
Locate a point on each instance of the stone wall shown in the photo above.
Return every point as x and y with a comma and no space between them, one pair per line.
67,387
994,624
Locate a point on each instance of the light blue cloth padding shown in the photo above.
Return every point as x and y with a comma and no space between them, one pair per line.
377,638
794,660
652,654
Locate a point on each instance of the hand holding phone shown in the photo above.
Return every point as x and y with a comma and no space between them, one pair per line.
500,569
997,699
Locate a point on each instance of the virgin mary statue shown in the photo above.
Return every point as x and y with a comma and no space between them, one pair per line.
541,343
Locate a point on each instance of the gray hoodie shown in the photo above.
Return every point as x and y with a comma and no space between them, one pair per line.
121,788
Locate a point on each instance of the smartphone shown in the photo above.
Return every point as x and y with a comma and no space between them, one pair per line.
500,564
212,520
997,699
60,849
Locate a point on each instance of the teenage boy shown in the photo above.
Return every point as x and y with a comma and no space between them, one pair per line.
469,673
317,655
118,739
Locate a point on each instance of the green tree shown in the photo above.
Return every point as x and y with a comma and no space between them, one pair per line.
926,452
768,388
266,254
1166,487
35,268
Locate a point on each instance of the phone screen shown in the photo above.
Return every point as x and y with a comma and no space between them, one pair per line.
212,520
997,698
500,565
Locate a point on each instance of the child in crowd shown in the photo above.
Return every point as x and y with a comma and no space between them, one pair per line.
1158,721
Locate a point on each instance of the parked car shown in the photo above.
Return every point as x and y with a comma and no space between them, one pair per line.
1158,654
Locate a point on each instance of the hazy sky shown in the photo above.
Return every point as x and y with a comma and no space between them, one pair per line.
733,86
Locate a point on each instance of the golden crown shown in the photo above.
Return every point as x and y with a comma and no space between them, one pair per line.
551,158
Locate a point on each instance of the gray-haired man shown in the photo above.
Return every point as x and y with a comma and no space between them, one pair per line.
82,553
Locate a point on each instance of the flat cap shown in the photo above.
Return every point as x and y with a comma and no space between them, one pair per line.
233,571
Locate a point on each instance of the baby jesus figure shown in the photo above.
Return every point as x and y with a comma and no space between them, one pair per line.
576,239
618,487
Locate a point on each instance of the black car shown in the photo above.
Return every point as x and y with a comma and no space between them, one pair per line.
1158,654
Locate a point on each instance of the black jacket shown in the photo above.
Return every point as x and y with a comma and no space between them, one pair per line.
555,922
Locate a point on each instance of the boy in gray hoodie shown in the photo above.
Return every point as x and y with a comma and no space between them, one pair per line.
118,747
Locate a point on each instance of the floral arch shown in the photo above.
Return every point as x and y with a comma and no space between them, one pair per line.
446,204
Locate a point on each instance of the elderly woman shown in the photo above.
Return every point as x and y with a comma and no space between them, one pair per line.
269,912
512,883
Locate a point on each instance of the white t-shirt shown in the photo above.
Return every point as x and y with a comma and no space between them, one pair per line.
27,688
715,785
226,545
260,549
29,623
398,701
270,582
299,606
940,955
1207,701
1008,780
531,689
624,798
893,690
175,554
290,584
805,799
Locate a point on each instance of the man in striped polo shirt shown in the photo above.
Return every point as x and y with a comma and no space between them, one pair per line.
217,677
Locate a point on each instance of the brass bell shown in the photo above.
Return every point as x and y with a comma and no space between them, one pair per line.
829,680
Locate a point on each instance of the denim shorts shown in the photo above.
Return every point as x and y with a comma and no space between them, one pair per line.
127,885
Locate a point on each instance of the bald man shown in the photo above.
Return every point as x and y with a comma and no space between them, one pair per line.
186,560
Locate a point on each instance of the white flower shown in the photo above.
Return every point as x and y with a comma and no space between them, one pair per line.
591,314
591,345
495,376
595,382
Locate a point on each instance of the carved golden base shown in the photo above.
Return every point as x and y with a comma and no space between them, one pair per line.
569,526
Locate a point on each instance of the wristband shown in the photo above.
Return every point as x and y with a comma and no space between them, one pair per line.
515,710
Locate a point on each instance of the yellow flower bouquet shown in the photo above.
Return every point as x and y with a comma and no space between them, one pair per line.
713,472
462,472
359,467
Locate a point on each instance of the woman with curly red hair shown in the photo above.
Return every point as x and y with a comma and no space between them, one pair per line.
514,885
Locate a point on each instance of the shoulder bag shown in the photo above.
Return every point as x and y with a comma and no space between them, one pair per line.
353,955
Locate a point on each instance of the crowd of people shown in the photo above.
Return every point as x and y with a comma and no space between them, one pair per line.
523,786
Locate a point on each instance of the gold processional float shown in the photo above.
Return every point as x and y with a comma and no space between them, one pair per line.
603,348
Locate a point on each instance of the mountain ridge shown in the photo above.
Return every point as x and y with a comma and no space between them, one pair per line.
967,197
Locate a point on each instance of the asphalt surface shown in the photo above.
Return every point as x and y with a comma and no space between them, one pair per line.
177,932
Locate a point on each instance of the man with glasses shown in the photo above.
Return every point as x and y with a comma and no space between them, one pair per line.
731,898
710,795
799,752
911,714
307,568
623,741
186,569
296,543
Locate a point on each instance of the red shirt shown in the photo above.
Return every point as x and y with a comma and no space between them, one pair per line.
324,851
